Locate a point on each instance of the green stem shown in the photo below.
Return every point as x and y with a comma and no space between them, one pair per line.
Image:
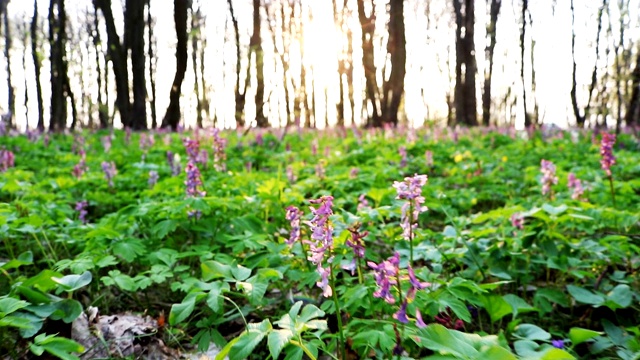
359,269
304,348
613,193
338,313
411,233
238,308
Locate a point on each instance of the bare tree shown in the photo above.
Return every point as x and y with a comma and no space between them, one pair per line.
494,11
465,88
172,116
134,42
632,117
240,93
37,64
255,45
523,29
7,48
153,60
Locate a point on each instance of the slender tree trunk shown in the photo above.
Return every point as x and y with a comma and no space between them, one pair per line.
134,42
152,66
368,24
37,64
580,118
255,43
172,116
465,88
632,117
523,29
393,89
103,107
240,94
494,11
7,48
57,44
118,56
339,22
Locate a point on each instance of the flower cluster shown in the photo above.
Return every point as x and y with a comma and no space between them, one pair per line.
106,143
153,178
174,163
127,135
146,142
549,177
428,158
606,151
81,167
322,241
192,146
403,156
320,171
81,208
411,190
363,203
517,221
291,176
574,183
356,243
293,216
219,155
7,160
194,181
110,171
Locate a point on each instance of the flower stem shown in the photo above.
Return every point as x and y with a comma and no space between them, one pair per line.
338,314
411,232
613,193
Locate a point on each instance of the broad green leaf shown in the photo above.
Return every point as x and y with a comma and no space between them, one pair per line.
129,249
247,342
222,355
277,340
556,354
310,312
518,305
74,282
212,269
496,306
16,322
531,332
585,296
553,295
179,312
9,305
26,258
579,335
214,298
526,348
67,310
240,273
621,295
439,339
59,346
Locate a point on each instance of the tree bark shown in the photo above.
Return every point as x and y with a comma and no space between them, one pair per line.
368,24
37,64
172,116
465,88
240,94
134,42
580,118
11,98
632,117
152,66
57,39
494,11
255,43
523,29
397,49
118,56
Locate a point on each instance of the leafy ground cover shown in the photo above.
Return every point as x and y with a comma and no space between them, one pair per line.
437,244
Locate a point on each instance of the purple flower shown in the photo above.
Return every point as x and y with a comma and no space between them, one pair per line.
81,167
322,239
549,177
385,275
517,221
81,208
193,148
363,203
7,160
291,176
403,156
428,158
354,173
153,178
559,344
606,151
419,322
574,183
414,281
411,189
293,216
194,181
219,155
109,169
314,147
320,173
106,143
356,243
401,314
146,142
174,163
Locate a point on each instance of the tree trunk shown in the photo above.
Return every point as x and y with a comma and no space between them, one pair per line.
118,56
134,42
465,88
255,43
632,117
7,47
523,28
240,94
57,39
172,116
494,11
368,24
37,64
393,89
152,66
580,118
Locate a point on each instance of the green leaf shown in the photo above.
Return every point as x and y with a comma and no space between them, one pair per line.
67,310
518,305
554,210
163,228
496,306
556,354
26,258
277,340
107,261
526,348
531,332
59,346
585,296
9,305
214,298
578,335
439,339
129,249
74,282
179,312
16,322
621,295
240,273
310,312
212,269
248,340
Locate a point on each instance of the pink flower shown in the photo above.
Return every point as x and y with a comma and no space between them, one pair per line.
517,221
606,151
411,189
574,183
549,177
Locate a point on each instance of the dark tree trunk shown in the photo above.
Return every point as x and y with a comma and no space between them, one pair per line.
523,28
103,106
240,94
397,49
118,56
152,66
57,39
632,117
134,42
580,118
37,64
465,88
172,116
368,25
339,21
255,43
7,47
494,11
197,22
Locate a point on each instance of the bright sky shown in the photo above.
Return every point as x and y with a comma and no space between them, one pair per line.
427,80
